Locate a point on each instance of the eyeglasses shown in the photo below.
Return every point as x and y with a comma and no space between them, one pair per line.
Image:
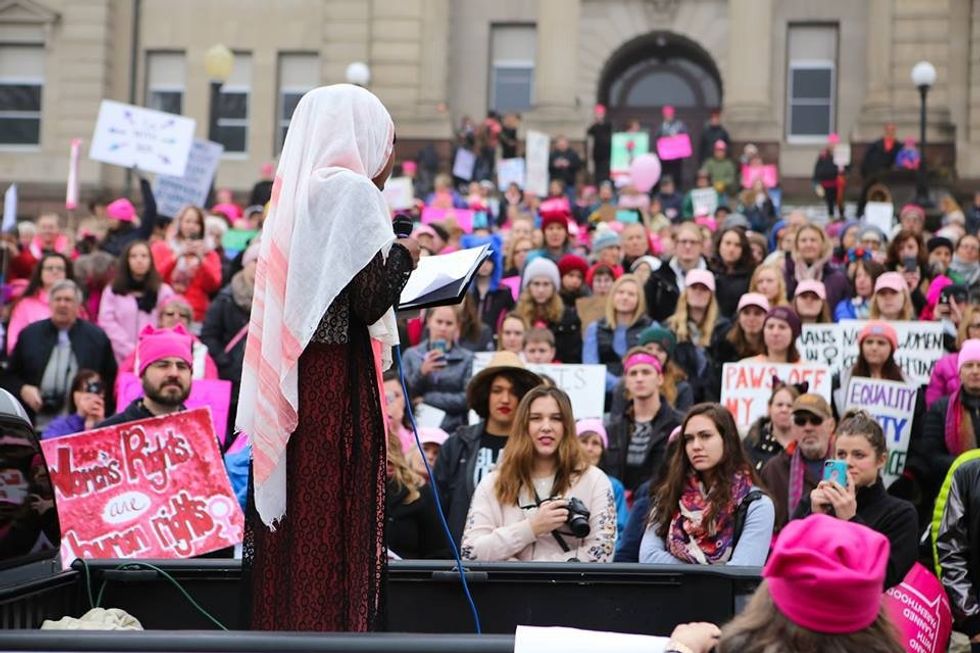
800,419
688,242
168,313
53,268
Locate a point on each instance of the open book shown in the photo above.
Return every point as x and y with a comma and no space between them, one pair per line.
442,280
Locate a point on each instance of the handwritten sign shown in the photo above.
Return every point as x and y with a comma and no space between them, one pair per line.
399,193
584,384
463,217
156,488
463,164
174,193
704,201
920,345
892,404
747,386
537,148
205,393
881,215
127,136
671,148
919,608
626,146
511,171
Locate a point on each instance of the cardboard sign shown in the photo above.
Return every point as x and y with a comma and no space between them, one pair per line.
399,193
769,174
537,148
463,164
154,141
156,488
464,217
919,608
626,146
881,215
671,148
747,386
235,240
704,201
585,384
511,171
920,345
174,193
205,393
892,404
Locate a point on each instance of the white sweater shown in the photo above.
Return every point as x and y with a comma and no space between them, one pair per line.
496,533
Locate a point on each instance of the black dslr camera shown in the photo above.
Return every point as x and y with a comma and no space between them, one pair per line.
578,518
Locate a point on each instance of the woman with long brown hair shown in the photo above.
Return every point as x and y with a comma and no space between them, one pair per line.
541,306
544,501
707,492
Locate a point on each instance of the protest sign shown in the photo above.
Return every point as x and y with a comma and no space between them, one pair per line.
463,164
191,188
514,283
892,404
584,384
919,608
399,192
153,141
10,208
920,345
537,149
626,146
671,148
881,215
463,217
627,216
769,174
156,488
747,386
704,201
210,393
511,171
235,240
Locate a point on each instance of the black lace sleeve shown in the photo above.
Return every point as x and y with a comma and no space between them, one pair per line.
377,287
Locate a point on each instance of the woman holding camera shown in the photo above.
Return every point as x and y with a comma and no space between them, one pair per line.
544,502
708,508
86,406
861,497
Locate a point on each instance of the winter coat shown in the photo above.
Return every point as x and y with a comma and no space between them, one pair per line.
26,311
957,541
729,288
454,472
122,319
945,379
223,321
414,530
620,431
444,389
834,281
205,282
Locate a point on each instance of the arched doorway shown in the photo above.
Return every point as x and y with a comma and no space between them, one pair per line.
657,69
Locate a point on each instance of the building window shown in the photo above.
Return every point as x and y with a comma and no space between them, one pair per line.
233,106
811,82
165,81
21,80
298,73
512,52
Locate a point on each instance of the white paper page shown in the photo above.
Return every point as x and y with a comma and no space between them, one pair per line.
435,272
428,417
534,639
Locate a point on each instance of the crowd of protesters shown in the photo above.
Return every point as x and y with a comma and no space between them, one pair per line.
597,271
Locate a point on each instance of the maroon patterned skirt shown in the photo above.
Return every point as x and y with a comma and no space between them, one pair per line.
323,567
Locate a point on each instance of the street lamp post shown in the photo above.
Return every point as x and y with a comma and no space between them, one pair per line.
218,64
923,76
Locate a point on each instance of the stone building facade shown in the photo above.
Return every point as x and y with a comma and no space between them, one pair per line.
786,72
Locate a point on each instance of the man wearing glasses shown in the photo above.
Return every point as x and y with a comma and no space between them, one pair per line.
795,472
665,284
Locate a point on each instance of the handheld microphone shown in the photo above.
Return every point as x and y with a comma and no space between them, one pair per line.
403,225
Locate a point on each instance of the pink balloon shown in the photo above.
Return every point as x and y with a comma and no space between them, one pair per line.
645,171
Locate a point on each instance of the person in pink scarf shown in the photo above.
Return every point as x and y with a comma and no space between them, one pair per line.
33,304
321,330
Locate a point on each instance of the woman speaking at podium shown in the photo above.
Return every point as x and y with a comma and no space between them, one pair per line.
321,329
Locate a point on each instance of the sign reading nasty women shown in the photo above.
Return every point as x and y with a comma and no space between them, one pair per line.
156,488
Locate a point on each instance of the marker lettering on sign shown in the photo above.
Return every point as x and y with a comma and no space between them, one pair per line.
81,481
152,458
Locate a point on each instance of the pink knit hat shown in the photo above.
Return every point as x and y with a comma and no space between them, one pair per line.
121,209
592,425
155,344
969,352
827,575
880,329
433,435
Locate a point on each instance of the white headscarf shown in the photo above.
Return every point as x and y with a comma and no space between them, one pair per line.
327,221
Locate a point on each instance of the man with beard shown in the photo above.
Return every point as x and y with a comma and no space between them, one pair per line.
165,364
797,470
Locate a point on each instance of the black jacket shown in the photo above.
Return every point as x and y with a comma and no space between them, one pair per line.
929,459
661,293
709,135
134,412
877,159
495,304
222,322
604,343
414,530
729,288
26,366
454,475
892,517
115,241
958,546
620,431
568,337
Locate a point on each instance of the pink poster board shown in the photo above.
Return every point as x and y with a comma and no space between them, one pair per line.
670,148
768,173
464,217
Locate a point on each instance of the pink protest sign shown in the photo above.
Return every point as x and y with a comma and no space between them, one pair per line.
919,608
156,488
464,217
670,148
514,283
211,393
769,174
